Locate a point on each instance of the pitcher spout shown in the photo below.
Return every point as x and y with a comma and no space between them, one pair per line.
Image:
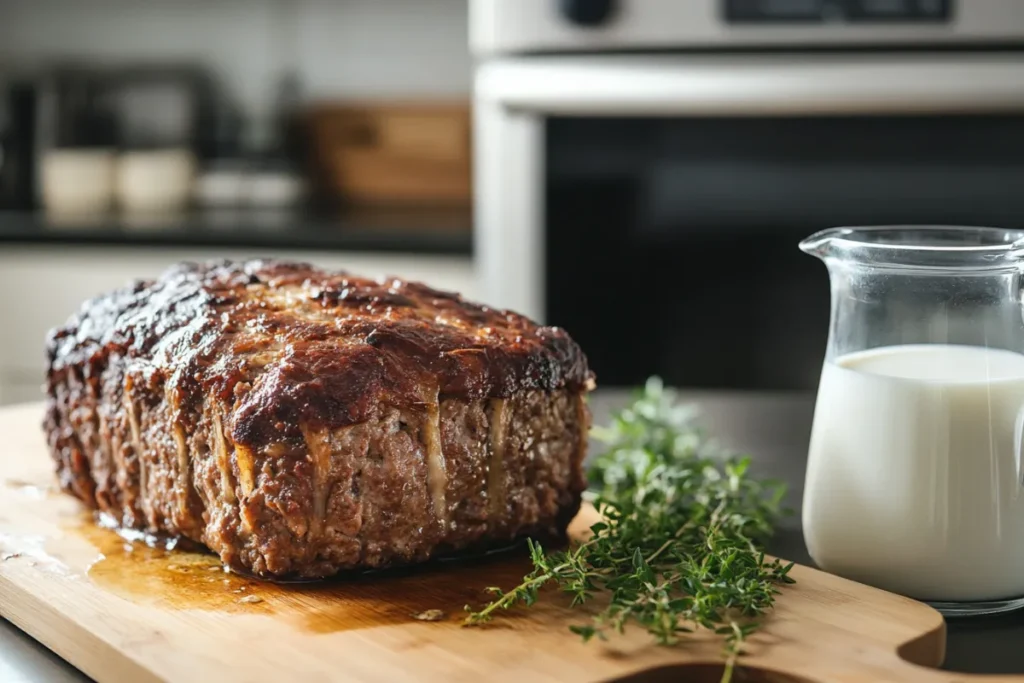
821,243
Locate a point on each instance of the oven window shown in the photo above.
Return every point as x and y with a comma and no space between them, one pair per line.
671,244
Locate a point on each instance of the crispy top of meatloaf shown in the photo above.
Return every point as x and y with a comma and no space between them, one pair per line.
287,344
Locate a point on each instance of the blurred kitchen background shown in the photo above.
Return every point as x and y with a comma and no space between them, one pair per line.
636,171
135,134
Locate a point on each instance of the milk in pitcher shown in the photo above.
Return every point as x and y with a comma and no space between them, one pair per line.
914,471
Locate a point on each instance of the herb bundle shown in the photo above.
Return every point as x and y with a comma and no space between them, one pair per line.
679,547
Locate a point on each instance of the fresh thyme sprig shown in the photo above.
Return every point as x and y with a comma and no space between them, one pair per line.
679,547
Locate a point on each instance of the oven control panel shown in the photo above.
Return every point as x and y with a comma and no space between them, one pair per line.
505,27
824,11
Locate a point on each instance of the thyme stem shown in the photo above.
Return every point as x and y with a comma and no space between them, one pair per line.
679,547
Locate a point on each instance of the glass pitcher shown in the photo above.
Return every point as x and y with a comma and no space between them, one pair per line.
914,480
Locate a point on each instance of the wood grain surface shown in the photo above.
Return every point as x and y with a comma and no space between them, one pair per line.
120,610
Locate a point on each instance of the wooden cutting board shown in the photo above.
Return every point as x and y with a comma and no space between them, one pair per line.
122,611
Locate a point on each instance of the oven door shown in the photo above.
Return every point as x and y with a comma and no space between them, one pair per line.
652,205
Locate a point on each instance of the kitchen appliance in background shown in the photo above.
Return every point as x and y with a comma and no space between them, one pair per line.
17,155
258,175
673,154
148,120
275,180
75,142
159,111
130,107
159,107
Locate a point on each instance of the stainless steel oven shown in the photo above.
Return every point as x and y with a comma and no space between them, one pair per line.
645,169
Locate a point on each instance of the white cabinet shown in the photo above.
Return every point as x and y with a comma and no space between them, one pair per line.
41,286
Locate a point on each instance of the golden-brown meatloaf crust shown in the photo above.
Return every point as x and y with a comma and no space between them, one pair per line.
300,422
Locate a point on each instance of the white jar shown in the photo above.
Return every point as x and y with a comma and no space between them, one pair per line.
274,189
155,180
78,181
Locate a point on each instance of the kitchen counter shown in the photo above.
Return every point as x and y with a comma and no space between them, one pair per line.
774,428
418,231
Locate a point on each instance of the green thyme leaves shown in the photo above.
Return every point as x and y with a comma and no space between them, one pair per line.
680,547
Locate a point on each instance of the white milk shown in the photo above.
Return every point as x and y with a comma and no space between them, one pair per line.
914,473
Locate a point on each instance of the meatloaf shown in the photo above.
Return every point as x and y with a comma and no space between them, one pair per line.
300,422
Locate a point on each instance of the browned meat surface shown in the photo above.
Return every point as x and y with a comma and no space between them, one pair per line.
300,422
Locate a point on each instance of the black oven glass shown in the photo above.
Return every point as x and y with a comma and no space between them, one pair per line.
671,243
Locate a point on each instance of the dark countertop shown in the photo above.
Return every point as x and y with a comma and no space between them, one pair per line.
774,429
419,231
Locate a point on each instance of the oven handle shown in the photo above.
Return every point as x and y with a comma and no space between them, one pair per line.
763,85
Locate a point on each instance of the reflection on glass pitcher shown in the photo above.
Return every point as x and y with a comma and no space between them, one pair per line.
913,479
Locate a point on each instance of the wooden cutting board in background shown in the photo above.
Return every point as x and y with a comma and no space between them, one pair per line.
392,153
122,611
